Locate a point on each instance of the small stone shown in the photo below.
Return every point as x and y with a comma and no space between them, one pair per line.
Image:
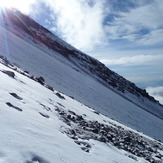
9,73
44,115
60,96
40,80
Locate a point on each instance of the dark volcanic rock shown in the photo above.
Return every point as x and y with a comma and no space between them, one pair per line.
44,115
40,80
9,73
15,107
116,135
16,96
60,96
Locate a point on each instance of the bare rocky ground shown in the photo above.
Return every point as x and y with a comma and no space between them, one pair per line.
82,129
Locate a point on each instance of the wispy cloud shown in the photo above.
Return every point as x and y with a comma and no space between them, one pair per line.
156,92
80,22
155,37
142,24
88,24
134,60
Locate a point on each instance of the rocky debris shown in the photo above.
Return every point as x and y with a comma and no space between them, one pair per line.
109,77
40,80
16,96
27,72
49,87
5,61
45,107
15,107
60,96
9,73
60,104
85,146
133,157
132,142
44,115
71,97
96,112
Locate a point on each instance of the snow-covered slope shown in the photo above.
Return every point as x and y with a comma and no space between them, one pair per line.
31,47
44,126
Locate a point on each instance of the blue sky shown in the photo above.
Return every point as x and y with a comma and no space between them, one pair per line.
126,35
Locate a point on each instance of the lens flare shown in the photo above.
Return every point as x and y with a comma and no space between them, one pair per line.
24,6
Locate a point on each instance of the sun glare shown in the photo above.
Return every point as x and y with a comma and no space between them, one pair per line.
3,4
22,5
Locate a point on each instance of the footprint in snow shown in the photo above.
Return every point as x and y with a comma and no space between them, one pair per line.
84,145
15,107
37,159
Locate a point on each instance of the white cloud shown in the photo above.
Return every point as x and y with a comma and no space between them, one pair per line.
156,92
141,66
149,15
80,22
155,37
128,25
134,60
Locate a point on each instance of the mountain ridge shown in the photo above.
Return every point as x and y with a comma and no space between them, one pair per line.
94,66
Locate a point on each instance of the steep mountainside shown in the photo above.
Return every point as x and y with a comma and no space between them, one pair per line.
36,50
41,125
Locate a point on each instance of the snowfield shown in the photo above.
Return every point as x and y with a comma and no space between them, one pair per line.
36,133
